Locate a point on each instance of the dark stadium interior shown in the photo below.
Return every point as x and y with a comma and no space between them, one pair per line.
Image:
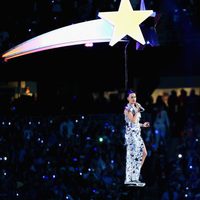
61,110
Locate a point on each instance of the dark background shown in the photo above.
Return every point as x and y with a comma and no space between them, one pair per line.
100,67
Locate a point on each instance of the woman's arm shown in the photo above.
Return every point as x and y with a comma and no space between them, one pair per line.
130,116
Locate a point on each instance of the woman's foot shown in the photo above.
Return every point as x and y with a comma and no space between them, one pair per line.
135,183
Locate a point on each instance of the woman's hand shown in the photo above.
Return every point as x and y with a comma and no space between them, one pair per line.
146,124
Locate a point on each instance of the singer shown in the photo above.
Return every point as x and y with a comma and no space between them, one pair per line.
135,148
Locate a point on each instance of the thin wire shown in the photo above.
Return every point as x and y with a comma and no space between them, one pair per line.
126,66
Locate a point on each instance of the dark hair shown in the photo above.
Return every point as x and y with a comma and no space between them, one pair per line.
129,92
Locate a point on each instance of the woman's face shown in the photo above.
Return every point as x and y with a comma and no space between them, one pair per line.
132,98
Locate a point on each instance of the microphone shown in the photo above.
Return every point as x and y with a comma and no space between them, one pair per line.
140,107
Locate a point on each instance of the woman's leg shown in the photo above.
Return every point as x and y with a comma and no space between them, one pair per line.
144,155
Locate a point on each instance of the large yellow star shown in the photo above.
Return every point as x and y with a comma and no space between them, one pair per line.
126,21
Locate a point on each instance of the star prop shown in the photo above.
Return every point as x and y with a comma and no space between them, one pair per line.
126,21
111,28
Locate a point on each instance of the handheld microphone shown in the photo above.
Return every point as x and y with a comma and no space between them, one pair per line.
140,107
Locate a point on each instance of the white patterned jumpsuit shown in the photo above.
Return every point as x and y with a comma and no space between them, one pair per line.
134,145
